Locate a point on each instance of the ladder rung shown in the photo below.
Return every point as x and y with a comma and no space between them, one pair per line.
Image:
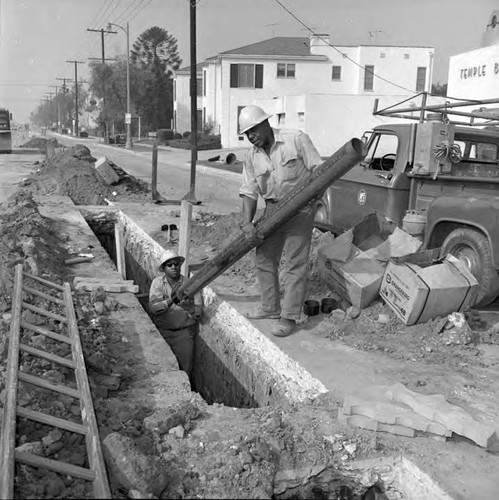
42,294
43,418
47,355
55,465
45,282
40,382
43,312
47,333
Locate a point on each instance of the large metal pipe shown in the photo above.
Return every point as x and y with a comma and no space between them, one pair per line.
310,189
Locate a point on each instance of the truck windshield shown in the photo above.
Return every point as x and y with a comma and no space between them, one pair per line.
382,150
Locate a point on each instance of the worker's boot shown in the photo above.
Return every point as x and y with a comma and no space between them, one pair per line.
284,328
259,313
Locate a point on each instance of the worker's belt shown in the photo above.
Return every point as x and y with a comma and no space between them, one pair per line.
271,201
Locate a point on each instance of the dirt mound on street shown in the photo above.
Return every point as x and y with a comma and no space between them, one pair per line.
71,172
41,143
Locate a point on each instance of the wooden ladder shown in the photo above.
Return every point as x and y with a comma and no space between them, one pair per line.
96,473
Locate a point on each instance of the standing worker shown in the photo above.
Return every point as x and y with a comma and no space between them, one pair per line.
277,162
177,323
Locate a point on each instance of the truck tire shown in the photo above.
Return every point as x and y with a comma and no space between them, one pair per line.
472,248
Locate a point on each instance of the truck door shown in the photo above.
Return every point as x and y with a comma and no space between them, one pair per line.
378,184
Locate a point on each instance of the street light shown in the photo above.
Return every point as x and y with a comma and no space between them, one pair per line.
128,116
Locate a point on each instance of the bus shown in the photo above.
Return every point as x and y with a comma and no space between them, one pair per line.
5,132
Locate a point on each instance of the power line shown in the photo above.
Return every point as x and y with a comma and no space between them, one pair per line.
140,10
124,13
339,51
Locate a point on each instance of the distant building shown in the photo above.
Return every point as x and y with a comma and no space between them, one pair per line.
307,83
475,74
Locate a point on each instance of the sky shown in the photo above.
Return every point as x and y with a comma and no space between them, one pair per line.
38,37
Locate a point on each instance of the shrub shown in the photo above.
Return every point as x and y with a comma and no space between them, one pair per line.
164,134
83,134
176,135
204,142
185,135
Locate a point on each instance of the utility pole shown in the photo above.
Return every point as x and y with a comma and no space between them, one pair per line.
56,87
64,90
194,102
102,31
128,116
76,131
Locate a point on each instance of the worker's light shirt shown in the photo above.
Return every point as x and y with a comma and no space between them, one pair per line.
292,158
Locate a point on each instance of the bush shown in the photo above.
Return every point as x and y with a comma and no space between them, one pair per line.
204,142
83,134
185,135
176,135
164,134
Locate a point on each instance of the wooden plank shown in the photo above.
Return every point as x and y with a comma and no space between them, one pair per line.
43,312
43,295
79,279
47,333
43,418
94,450
47,355
118,287
78,260
45,282
120,249
55,465
8,438
185,234
40,382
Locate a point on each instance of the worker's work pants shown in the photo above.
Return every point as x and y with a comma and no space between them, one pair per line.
294,239
181,343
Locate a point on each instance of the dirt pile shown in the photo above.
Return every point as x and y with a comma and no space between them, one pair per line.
26,236
71,173
41,143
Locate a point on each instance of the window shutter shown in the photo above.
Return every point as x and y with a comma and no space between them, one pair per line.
234,75
259,76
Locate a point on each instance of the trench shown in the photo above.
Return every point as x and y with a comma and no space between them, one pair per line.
210,378
239,379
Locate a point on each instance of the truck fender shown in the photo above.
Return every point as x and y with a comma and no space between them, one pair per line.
446,213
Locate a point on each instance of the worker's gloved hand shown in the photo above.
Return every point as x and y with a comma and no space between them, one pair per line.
250,233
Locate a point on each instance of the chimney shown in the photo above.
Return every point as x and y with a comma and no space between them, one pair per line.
318,40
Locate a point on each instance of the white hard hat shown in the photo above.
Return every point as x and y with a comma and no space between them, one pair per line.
250,116
170,254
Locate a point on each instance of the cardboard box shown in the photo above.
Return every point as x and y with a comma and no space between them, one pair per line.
418,293
354,263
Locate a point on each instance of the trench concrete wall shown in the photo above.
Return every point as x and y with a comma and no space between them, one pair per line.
240,365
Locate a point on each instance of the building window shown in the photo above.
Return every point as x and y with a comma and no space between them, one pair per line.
286,70
246,76
421,79
281,119
301,118
369,78
336,73
406,56
204,82
199,87
382,55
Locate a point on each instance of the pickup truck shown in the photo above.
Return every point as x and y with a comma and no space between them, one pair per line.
460,205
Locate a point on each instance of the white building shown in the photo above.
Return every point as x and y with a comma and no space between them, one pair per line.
475,74
327,91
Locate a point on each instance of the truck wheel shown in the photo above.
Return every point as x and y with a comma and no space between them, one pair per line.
321,216
472,248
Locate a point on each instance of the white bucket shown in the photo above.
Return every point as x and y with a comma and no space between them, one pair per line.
414,223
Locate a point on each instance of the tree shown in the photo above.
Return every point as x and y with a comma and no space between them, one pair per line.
156,53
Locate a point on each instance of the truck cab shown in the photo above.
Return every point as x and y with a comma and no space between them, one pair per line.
459,200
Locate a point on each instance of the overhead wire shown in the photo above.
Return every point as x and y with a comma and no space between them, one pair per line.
338,50
126,12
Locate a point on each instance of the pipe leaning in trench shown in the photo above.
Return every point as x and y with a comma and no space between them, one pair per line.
308,190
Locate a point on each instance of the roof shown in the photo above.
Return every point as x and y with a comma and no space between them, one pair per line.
279,45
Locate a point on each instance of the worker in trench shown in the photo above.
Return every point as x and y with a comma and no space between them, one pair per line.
177,323
277,162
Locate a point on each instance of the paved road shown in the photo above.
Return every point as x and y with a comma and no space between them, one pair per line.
216,188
